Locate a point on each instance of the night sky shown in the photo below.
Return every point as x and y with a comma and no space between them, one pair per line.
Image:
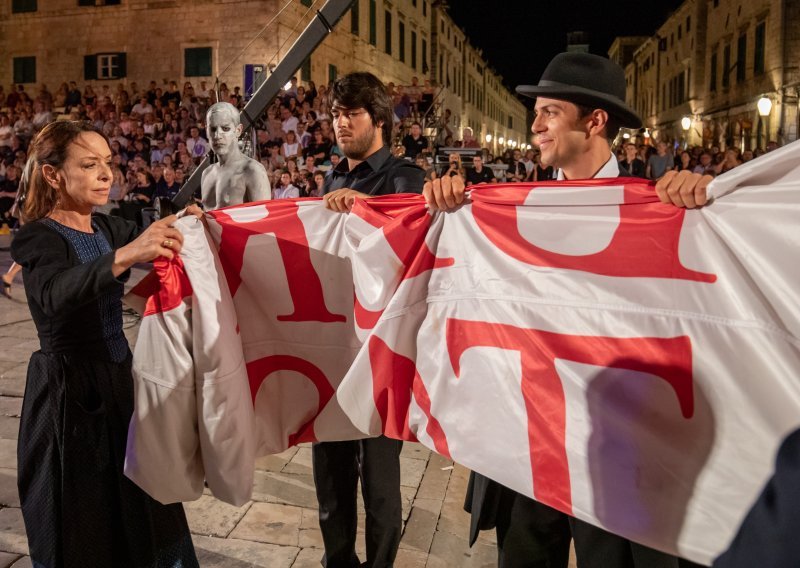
519,37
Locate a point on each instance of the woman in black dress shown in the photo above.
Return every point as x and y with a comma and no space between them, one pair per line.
79,508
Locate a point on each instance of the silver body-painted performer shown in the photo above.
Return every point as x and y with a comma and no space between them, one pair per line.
235,178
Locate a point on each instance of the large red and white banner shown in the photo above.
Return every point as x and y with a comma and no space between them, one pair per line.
630,363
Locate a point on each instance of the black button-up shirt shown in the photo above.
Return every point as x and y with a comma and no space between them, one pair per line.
379,174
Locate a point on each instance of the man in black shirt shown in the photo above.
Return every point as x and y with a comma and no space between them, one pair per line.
632,163
479,174
362,122
415,143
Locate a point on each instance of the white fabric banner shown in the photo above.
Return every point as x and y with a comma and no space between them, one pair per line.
630,363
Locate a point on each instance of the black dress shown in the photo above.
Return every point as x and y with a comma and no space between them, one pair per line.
78,506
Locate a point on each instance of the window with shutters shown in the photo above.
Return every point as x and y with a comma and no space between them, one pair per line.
713,72
108,66
726,66
104,66
354,23
197,62
25,69
305,70
388,32
333,73
401,32
414,50
760,51
22,6
741,58
373,25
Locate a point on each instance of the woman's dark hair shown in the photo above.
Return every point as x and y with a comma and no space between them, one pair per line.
49,147
364,90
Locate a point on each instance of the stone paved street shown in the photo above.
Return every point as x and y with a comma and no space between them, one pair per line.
279,527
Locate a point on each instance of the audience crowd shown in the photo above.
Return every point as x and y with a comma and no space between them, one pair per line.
158,138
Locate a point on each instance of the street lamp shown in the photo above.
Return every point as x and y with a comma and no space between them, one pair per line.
501,140
488,138
764,106
686,124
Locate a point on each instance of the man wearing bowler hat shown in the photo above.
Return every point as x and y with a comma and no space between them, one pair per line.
580,107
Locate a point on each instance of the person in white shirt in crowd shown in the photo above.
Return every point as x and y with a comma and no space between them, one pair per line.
196,144
285,189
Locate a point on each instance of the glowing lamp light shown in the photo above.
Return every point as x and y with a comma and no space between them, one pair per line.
626,135
287,86
764,105
488,138
501,140
686,122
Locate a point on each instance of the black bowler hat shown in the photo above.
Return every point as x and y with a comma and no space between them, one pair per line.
586,79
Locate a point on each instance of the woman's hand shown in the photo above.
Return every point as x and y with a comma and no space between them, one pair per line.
159,239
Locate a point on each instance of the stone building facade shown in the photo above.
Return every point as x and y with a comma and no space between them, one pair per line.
708,66
106,42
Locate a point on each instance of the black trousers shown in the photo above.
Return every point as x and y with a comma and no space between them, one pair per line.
337,469
533,535
597,548
529,534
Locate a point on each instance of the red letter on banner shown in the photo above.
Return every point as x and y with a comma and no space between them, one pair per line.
668,358
394,379
645,243
405,222
259,370
304,283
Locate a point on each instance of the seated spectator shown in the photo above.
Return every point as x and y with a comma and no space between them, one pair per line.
142,107
196,145
468,138
73,96
319,149
42,116
24,127
8,194
168,187
422,162
60,98
660,163
308,164
288,120
327,130
89,98
479,174
303,136
632,163
414,143
285,189
290,149
455,168
318,181
6,131
402,103
731,160
172,94
274,158
686,162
